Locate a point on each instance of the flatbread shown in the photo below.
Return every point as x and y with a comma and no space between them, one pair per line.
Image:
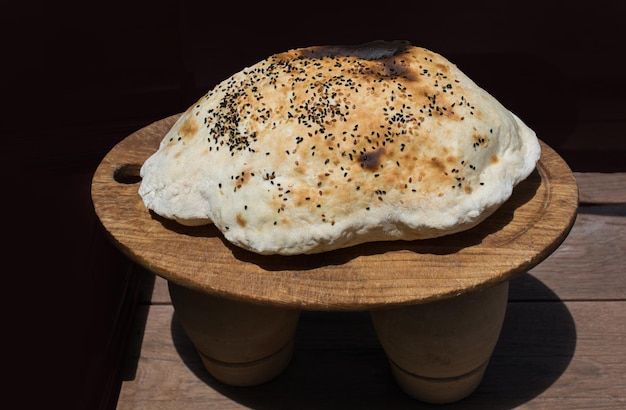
326,147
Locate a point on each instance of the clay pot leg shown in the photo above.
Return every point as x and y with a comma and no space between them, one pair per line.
241,344
439,351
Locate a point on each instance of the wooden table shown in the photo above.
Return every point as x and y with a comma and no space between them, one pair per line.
563,343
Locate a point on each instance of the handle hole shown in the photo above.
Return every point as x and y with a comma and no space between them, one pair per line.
127,174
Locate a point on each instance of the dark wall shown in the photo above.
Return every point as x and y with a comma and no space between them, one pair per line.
77,77
557,64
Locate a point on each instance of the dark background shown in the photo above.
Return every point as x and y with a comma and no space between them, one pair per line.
78,77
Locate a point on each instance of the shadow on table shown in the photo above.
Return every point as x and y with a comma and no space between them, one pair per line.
338,362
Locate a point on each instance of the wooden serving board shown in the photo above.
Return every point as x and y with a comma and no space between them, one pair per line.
519,235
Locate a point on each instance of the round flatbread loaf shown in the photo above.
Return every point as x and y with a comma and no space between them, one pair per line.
326,147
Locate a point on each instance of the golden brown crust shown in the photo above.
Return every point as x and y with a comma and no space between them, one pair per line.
330,135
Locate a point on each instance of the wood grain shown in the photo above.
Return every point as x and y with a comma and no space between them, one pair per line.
589,265
524,231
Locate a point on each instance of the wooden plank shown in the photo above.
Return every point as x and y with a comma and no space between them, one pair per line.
589,264
577,347
161,291
572,354
601,188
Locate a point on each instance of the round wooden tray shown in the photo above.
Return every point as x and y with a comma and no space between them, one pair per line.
519,235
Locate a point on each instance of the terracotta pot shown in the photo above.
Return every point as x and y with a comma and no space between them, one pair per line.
240,343
439,351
